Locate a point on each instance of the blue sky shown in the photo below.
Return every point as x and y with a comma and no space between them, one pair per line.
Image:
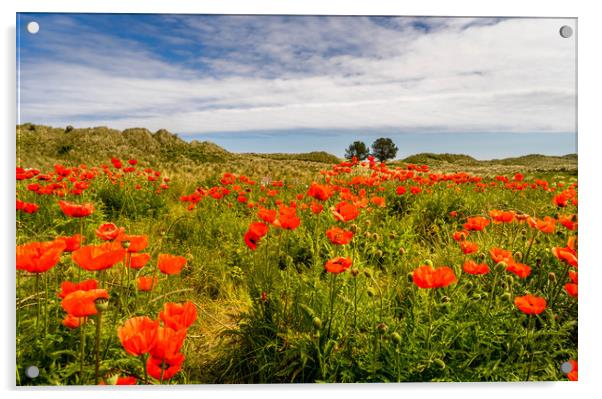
487,87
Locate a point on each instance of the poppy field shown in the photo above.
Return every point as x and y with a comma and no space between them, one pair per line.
358,271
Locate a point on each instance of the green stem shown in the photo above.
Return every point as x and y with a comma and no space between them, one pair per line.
332,281
97,346
531,329
82,344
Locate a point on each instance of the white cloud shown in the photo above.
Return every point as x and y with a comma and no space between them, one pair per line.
515,75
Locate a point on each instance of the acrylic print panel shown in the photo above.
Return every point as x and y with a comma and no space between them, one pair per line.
284,199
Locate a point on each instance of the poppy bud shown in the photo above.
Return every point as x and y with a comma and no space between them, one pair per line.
317,323
371,292
375,237
501,266
469,285
445,299
125,244
440,363
101,304
518,255
368,273
112,380
538,262
368,222
354,227
481,257
506,296
509,279
382,328
402,251
428,262
410,277
354,272
392,235
378,253
552,276
367,235
396,338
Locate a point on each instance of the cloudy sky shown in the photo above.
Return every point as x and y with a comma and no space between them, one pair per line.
487,87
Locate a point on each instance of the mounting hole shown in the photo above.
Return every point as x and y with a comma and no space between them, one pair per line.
33,27
32,371
566,367
566,31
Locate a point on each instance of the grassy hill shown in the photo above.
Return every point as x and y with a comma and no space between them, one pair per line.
42,146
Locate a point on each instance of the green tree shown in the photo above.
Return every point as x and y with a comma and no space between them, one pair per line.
383,149
357,149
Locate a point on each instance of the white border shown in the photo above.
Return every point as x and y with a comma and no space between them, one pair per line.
589,177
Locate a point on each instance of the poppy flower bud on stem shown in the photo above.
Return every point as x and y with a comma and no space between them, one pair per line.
382,328
428,262
396,338
371,292
518,255
125,244
368,235
354,228
501,266
552,276
368,273
317,323
506,296
410,277
402,251
375,237
354,272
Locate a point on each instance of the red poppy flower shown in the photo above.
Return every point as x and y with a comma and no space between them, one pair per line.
472,267
82,303
461,235
400,190
133,243
545,225
164,369
378,201
169,342
38,257
568,221
344,211
415,190
27,207
109,231
170,264
72,243
256,231
468,247
338,236
566,254
501,216
67,287
73,322
76,210
137,261
287,218
520,269
138,335
501,255
476,223
338,265
316,208
178,316
530,304
320,192
429,277
572,289
147,283
267,215
98,257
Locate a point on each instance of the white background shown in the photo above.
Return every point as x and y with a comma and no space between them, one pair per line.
590,110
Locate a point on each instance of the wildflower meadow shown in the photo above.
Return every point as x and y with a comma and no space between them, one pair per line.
353,271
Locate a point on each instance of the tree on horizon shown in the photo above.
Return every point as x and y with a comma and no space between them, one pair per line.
384,149
357,149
